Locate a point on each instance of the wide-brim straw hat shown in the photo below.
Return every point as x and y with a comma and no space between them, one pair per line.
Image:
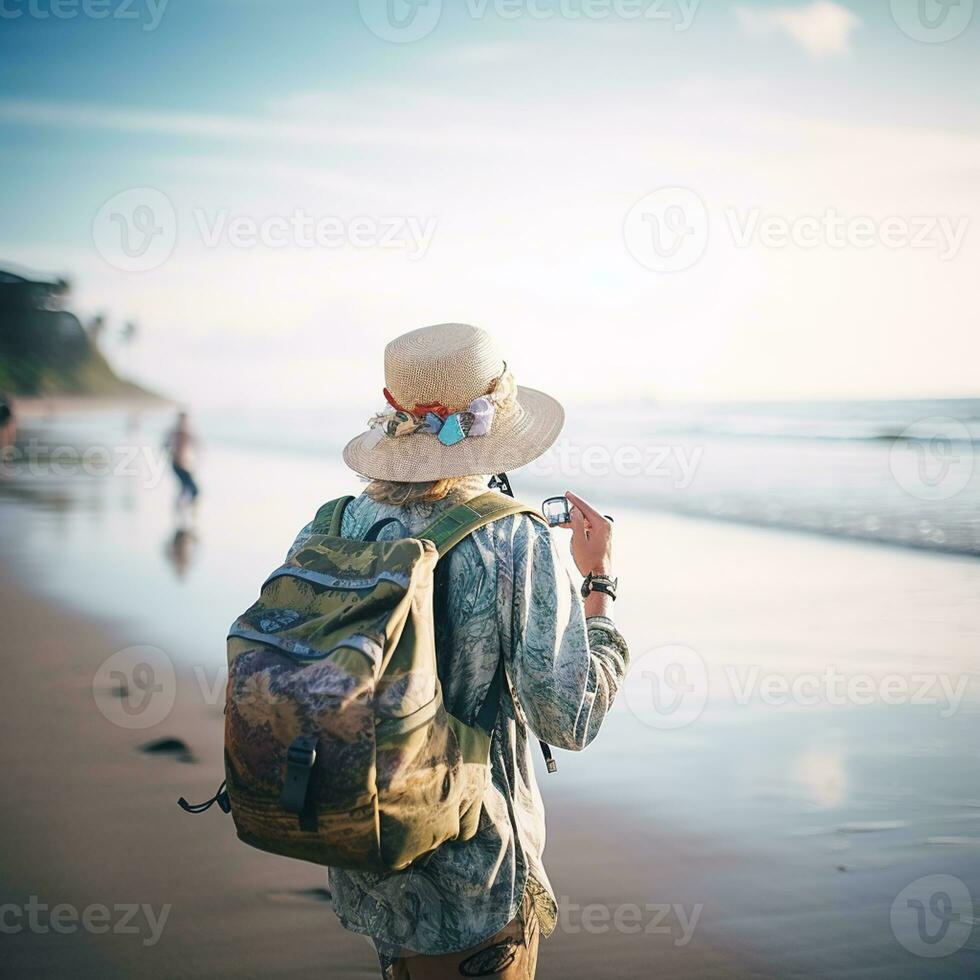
453,364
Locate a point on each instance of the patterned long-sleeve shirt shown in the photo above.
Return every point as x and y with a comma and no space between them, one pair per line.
505,593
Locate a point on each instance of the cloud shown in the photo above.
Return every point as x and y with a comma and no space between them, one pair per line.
274,128
253,171
822,28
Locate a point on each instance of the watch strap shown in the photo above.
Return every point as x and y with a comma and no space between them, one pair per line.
600,583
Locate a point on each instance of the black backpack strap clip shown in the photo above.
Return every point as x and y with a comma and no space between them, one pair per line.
296,797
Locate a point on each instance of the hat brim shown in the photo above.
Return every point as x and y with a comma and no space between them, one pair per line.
511,442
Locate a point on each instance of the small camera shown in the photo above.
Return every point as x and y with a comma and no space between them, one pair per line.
556,511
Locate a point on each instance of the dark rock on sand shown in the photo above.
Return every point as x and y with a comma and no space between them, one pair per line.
176,747
301,895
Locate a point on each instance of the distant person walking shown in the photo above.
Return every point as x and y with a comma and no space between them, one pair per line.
181,443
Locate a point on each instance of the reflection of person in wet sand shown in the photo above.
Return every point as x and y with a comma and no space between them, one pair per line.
181,443
180,550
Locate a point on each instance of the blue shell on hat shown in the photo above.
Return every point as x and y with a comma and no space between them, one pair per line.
452,430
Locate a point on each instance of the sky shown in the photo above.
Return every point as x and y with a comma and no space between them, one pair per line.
642,199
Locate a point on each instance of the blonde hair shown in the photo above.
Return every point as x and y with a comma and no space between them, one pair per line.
405,494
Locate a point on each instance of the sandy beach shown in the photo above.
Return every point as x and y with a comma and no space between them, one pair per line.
96,823
759,838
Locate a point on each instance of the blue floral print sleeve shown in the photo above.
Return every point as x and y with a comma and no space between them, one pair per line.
505,594
565,670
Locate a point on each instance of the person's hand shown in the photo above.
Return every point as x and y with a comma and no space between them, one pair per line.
591,537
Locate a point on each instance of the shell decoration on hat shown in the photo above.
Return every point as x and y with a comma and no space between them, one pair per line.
451,427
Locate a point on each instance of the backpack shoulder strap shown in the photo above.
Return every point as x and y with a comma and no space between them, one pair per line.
445,533
456,523
329,516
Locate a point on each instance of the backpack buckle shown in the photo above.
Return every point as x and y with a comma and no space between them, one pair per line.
300,757
302,752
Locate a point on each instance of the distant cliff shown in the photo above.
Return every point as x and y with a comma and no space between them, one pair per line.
45,350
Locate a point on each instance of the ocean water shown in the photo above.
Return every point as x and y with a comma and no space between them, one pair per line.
895,473
902,472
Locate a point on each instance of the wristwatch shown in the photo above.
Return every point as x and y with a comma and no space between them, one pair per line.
600,583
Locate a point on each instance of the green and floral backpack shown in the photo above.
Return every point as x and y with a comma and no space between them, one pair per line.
338,747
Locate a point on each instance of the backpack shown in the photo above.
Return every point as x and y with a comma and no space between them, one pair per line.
338,747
